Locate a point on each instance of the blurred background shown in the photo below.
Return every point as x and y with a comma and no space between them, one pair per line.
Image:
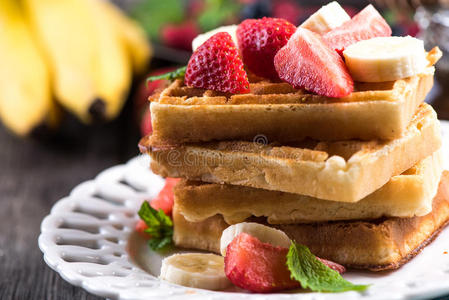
73,97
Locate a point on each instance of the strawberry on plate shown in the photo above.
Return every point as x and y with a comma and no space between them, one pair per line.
140,228
256,266
164,200
333,265
259,41
216,65
145,124
367,24
307,62
262,267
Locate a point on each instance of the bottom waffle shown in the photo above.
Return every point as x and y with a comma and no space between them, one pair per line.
376,245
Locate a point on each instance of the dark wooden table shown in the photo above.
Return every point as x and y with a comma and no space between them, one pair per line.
36,174
33,176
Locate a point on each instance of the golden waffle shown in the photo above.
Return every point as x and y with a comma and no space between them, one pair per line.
345,171
283,114
375,245
407,195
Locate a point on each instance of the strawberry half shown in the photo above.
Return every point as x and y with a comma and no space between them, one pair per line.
365,25
333,265
216,65
307,62
165,199
259,41
256,266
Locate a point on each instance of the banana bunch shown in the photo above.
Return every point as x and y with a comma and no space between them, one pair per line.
78,54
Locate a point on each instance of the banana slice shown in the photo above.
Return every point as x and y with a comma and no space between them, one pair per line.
197,270
200,39
326,18
385,58
264,233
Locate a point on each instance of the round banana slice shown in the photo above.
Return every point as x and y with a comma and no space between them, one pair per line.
326,18
264,233
200,39
385,58
197,270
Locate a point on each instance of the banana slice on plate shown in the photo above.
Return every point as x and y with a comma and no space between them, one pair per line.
200,39
385,58
197,270
326,18
264,233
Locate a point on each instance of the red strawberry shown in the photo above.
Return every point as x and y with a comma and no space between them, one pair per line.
256,266
367,24
180,35
145,125
307,62
140,228
153,86
144,90
216,65
259,41
165,199
333,265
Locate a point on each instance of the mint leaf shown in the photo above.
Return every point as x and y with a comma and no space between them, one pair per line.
315,275
178,73
160,226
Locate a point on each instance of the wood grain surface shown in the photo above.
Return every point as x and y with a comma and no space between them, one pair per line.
34,174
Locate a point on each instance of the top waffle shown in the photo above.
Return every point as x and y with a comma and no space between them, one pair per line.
281,113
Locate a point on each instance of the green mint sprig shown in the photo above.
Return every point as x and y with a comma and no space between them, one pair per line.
160,226
315,275
178,73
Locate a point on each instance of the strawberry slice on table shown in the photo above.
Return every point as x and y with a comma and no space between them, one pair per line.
164,200
140,228
365,25
259,41
256,266
307,62
333,265
216,65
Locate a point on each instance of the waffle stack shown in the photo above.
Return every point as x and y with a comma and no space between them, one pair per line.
358,180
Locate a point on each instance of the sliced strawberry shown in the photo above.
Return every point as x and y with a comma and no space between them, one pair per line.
367,24
256,266
333,265
165,199
216,65
259,41
145,125
307,62
140,228
146,89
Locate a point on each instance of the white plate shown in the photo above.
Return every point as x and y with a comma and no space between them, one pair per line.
89,240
